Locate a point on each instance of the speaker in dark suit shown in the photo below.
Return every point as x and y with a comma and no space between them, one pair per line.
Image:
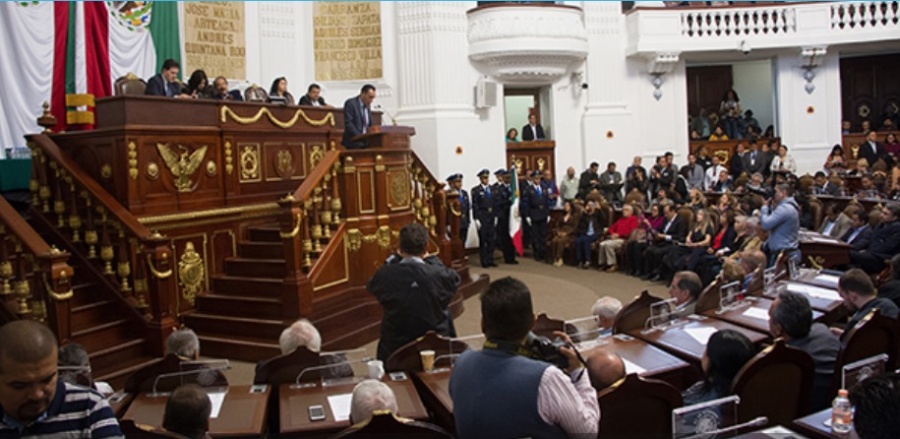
532,131
871,150
358,117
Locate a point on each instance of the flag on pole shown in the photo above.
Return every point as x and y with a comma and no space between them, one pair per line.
515,222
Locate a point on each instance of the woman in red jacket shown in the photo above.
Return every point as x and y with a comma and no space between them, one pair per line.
618,233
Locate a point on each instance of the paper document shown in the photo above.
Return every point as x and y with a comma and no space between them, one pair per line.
631,368
701,334
757,313
812,291
828,279
216,398
779,432
340,406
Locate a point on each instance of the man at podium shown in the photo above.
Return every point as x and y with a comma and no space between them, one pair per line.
357,117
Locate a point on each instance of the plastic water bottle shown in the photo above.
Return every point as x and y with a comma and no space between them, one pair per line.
841,413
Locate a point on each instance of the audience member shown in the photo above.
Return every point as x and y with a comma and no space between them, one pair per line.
198,85
184,344
703,158
718,135
696,244
512,135
638,243
605,310
221,92
604,368
836,162
590,226
751,122
588,178
499,393
825,187
790,318
892,146
783,163
368,397
636,177
568,187
697,200
845,127
533,207
694,173
712,173
891,288
872,150
726,353
166,83
673,231
549,186
279,90
611,184
34,402
618,233
483,204
661,175
358,117
701,124
884,242
723,240
187,412
502,204
685,288
723,183
860,233
856,289
753,160
730,113
313,97
876,407
565,232
414,290
783,224
533,130
835,223
736,164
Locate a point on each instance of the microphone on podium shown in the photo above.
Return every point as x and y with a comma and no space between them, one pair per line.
299,384
207,374
379,107
759,421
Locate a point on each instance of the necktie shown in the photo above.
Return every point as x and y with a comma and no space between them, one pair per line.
539,192
365,115
487,191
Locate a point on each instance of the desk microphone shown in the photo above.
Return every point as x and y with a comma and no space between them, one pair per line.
327,366
214,369
379,107
760,421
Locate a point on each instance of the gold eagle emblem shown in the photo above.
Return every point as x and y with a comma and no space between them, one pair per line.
182,164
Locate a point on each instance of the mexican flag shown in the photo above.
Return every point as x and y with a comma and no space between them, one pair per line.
515,222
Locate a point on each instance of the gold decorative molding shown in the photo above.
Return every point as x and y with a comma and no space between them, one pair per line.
399,189
250,163
152,171
315,156
284,163
226,113
293,233
201,214
154,271
132,161
211,168
190,273
182,164
106,171
229,160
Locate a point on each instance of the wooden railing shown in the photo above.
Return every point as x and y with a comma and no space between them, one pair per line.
127,256
430,206
35,278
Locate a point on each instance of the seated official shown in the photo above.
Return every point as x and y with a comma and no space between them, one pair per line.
885,242
279,90
750,262
358,117
685,289
604,368
34,403
836,222
370,396
184,343
860,233
565,232
790,318
891,288
618,233
313,97
825,187
74,355
187,412
876,404
605,310
726,353
166,83
302,333
198,85
221,92
856,289
501,392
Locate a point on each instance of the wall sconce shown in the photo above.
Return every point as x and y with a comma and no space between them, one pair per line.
810,59
658,65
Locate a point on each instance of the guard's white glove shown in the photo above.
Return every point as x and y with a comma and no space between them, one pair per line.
477,225
495,222
528,220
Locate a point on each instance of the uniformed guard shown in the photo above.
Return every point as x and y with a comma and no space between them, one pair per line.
502,202
533,207
485,218
455,181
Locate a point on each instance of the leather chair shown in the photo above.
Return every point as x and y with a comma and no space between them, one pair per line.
777,383
384,424
130,85
545,326
634,315
144,379
133,430
874,334
709,297
636,197
817,211
406,358
285,368
637,407
255,93
687,215
755,287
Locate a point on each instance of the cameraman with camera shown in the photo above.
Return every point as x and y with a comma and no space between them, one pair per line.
414,289
509,389
782,221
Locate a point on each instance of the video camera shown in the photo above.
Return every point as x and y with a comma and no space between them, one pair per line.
766,192
544,349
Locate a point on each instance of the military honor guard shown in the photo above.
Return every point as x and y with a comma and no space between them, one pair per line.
502,203
455,182
485,218
533,208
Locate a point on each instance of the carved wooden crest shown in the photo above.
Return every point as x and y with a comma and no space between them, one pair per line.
182,164
284,163
399,189
190,273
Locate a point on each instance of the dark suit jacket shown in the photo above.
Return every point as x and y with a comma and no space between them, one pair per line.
885,240
156,86
305,100
678,230
751,166
736,168
355,115
586,218
232,95
865,152
891,290
829,188
533,205
822,345
528,134
861,241
482,205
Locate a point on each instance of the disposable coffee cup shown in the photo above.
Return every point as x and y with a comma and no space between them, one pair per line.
427,360
376,369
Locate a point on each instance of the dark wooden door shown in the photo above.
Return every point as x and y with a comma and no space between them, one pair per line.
870,85
706,86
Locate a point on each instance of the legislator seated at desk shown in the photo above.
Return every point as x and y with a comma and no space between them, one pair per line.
372,411
166,83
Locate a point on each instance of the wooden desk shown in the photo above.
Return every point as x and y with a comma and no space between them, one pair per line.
824,251
678,342
833,310
434,387
657,364
243,413
814,426
758,305
294,405
119,403
776,432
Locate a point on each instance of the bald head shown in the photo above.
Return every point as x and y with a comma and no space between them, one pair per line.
26,341
604,368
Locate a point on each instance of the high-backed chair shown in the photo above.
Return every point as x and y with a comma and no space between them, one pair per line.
776,383
687,215
545,326
255,93
709,297
637,407
384,424
755,287
816,210
133,430
145,379
286,368
142,379
874,334
636,196
635,314
130,85
407,358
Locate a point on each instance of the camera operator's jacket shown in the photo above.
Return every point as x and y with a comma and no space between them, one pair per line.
783,225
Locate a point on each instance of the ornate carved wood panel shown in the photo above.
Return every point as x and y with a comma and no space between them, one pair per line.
869,85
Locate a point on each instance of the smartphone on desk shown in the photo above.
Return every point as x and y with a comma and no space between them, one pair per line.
316,412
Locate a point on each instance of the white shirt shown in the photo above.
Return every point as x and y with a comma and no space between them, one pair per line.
571,405
712,175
